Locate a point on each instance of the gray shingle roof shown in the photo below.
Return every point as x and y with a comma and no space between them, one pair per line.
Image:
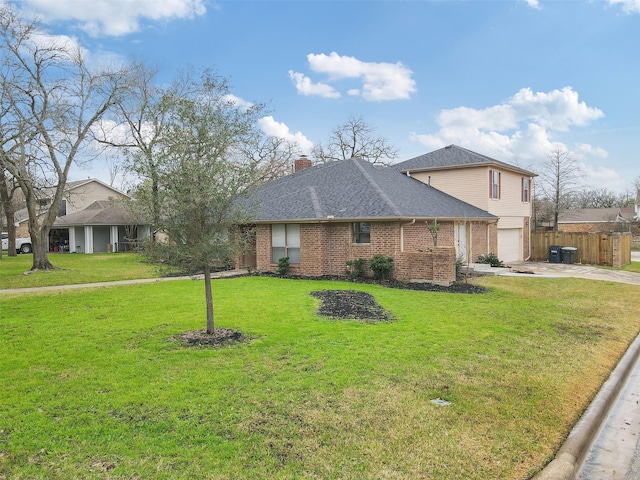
451,157
597,215
354,189
101,212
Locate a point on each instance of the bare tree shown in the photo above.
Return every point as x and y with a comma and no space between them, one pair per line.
559,176
139,123
596,198
52,100
355,139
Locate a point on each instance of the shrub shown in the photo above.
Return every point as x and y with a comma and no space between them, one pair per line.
355,268
491,259
459,266
381,267
283,266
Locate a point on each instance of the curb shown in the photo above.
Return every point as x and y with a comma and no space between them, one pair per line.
576,446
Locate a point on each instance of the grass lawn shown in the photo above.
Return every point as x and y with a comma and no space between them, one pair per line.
632,267
74,269
94,387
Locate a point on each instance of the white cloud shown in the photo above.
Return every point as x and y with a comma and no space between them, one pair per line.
522,129
106,17
556,110
380,81
584,150
306,87
63,43
628,6
533,4
600,176
280,130
237,101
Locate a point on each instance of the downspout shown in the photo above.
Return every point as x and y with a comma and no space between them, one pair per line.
528,225
402,233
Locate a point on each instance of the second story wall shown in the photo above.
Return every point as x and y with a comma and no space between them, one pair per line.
82,196
473,185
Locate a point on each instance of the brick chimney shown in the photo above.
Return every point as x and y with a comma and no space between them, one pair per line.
301,163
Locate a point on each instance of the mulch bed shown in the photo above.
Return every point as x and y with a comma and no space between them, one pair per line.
350,304
456,287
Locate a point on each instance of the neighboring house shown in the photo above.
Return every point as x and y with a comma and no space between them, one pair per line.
323,216
593,220
499,188
78,195
104,226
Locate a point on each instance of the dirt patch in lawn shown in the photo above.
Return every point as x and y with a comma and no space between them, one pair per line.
350,304
219,337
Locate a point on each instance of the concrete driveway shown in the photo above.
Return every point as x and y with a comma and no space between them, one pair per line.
550,270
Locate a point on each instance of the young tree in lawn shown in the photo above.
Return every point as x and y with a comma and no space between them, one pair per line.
559,176
52,99
355,139
201,172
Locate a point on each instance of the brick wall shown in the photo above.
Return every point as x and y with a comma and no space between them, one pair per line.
414,266
579,227
326,248
444,265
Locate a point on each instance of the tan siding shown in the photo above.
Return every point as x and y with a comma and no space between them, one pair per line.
469,185
81,197
510,203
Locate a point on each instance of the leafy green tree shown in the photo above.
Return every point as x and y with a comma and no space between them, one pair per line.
202,168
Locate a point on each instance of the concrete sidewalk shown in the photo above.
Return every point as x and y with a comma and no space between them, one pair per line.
225,274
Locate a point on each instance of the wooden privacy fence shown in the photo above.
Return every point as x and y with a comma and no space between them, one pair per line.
593,248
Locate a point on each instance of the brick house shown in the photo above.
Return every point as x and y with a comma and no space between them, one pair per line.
324,215
499,188
592,220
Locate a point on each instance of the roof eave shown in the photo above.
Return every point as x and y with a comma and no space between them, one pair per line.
471,165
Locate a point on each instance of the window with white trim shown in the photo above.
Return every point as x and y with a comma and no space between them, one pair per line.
494,184
285,242
526,189
361,232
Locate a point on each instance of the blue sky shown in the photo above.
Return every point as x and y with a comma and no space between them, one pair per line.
508,79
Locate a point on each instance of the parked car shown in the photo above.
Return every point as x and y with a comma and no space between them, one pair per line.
23,245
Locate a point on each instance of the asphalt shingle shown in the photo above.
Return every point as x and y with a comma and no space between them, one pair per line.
451,157
354,189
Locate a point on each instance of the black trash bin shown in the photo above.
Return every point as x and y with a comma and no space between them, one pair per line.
569,254
555,254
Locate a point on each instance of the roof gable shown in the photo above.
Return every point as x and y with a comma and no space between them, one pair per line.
353,189
454,156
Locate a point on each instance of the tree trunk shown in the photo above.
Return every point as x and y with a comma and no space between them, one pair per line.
40,244
209,295
9,213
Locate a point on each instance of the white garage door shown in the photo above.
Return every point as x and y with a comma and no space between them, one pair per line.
510,244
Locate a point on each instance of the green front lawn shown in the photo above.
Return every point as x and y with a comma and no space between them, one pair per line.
74,269
632,267
94,387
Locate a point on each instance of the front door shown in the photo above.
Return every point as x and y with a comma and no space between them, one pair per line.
460,239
